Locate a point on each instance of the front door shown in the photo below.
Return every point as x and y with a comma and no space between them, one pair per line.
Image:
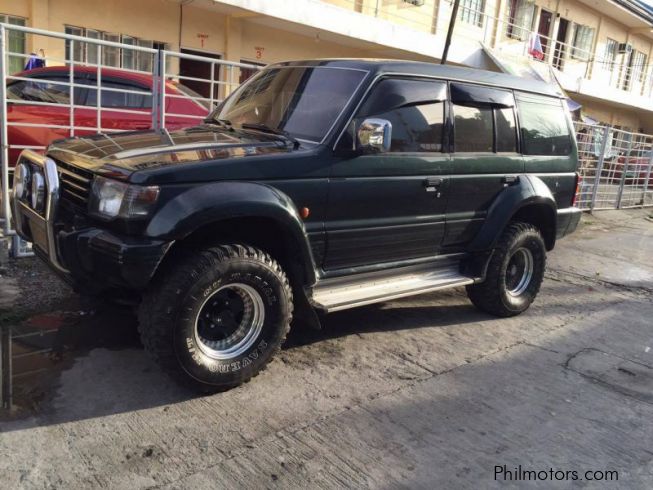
485,158
389,207
544,28
561,47
200,75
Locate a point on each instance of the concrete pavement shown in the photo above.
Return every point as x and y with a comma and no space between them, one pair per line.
424,392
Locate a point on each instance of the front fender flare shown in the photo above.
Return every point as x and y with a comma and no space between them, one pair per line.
204,205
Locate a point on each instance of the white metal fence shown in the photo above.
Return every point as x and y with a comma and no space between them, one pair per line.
96,94
615,167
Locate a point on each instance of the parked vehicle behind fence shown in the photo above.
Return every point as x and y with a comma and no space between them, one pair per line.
315,187
39,106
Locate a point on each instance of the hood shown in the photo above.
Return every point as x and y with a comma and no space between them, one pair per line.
125,153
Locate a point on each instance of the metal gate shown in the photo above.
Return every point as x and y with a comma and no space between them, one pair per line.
103,102
615,168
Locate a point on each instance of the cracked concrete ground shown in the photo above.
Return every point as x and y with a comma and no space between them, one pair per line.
424,392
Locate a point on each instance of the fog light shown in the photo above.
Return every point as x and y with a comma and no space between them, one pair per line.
21,181
38,192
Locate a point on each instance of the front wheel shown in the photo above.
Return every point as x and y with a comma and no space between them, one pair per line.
514,274
215,319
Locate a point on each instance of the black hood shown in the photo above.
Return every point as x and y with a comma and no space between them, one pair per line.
144,150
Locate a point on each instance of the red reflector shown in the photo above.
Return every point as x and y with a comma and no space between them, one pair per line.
577,190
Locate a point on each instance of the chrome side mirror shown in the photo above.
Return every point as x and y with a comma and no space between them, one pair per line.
374,135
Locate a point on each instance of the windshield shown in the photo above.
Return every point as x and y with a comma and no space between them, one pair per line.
302,101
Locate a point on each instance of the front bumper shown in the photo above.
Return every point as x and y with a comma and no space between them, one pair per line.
92,259
567,221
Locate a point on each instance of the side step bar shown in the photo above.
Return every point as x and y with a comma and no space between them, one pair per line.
362,289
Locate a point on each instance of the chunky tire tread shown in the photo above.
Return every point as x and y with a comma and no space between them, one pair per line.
488,296
156,314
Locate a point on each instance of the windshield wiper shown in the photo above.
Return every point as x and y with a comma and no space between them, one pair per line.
225,123
267,129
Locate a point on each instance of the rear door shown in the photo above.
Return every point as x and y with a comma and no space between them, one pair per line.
386,207
486,157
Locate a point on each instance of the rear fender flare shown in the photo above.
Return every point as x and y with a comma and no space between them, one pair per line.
527,191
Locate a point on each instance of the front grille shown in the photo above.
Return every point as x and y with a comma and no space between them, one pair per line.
75,184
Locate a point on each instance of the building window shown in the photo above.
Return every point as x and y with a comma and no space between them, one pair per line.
471,12
582,42
16,44
112,56
639,66
610,55
520,19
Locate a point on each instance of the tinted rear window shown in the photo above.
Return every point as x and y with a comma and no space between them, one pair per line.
544,126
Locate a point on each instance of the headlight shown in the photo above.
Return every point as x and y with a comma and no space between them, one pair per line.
21,181
38,192
112,199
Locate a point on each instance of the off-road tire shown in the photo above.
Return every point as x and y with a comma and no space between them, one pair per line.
171,306
492,295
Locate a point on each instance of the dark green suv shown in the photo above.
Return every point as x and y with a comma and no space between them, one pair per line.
315,187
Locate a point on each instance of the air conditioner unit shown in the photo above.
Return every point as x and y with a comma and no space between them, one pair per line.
416,3
624,48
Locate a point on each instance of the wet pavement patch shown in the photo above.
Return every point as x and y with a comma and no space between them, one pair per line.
627,377
45,344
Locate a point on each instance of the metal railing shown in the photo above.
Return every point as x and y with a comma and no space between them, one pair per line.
83,104
615,168
627,72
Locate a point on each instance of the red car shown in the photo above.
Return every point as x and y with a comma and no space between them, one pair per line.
39,101
636,165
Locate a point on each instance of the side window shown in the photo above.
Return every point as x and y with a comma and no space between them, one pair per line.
484,119
40,90
415,108
544,128
114,98
504,119
473,128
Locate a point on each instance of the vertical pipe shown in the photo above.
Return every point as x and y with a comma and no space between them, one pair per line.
452,23
624,171
5,367
163,57
212,88
156,114
98,101
648,175
4,144
71,80
599,167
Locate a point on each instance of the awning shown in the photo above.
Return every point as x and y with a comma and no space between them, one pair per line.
573,105
535,70
589,120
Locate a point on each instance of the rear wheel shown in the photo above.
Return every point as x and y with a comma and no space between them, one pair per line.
215,319
514,274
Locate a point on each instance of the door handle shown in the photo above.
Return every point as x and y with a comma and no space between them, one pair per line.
509,179
432,182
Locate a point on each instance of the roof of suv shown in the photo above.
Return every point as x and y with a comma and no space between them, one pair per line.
447,72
